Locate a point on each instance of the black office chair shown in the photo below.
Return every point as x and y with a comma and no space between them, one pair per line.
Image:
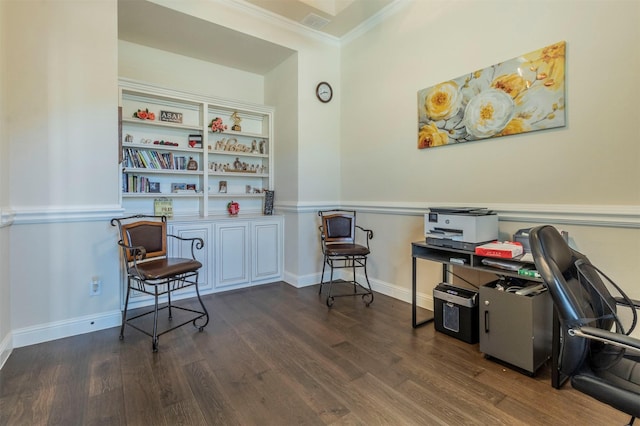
597,352
151,271
341,250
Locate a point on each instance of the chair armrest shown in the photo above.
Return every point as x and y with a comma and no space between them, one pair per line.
197,243
620,301
609,337
368,233
138,252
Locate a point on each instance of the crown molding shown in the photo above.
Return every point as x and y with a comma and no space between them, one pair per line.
280,21
384,13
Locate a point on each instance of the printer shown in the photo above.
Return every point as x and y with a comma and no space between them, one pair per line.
462,228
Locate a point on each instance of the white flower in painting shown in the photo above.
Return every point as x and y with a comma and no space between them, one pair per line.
488,113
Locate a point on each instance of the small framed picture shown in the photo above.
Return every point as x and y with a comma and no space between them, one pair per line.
222,187
154,187
268,202
195,141
191,187
175,187
163,207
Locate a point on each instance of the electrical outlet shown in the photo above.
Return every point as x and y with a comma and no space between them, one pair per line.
95,287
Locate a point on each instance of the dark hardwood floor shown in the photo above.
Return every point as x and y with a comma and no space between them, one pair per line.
275,355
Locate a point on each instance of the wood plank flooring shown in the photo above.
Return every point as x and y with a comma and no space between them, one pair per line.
275,355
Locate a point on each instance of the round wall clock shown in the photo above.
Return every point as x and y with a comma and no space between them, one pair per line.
324,92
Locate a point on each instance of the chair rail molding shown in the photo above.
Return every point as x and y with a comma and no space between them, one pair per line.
6,217
56,214
616,216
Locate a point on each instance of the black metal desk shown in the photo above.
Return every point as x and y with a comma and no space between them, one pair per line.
443,255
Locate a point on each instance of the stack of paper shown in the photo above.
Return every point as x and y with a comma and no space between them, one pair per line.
505,250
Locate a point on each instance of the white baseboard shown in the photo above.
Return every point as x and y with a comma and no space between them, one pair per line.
299,281
6,347
66,328
422,300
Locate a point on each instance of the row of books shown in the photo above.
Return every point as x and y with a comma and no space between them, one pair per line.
135,183
151,159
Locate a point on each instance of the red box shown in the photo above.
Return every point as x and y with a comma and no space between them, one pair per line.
506,250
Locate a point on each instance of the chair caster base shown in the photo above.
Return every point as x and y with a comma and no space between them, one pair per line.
154,345
330,301
121,337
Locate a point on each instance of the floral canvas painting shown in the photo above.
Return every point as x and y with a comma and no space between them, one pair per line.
520,95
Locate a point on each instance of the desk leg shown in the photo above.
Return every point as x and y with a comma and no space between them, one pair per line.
557,378
414,297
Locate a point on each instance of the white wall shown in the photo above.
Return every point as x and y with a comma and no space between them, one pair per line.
592,164
5,288
593,160
178,72
62,157
286,149
62,66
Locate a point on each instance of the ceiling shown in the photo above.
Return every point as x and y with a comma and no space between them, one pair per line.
158,27
333,17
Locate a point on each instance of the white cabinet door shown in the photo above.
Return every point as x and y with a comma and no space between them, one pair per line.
232,253
266,248
180,248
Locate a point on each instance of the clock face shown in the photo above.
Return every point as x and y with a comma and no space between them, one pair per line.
324,92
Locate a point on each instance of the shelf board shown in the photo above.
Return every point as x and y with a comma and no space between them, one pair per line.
156,123
162,171
238,195
153,147
232,174
237,153
161,195
247,134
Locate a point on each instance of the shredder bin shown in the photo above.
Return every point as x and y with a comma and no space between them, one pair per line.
456,312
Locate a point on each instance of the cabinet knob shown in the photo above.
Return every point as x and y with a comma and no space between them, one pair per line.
486,302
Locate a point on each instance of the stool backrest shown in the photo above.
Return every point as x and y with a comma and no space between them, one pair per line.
152,235
339,228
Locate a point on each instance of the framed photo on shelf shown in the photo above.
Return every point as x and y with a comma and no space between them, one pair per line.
175,187
191,187
195,141
154,187
268,202
163,207
222,187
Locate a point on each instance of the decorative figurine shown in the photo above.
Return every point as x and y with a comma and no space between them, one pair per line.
237,164
236,122
192,164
